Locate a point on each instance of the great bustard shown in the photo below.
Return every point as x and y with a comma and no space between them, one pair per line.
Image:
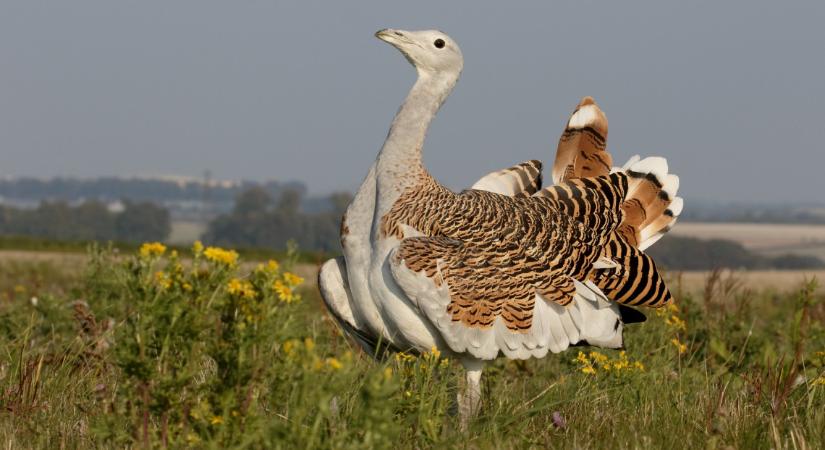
505,268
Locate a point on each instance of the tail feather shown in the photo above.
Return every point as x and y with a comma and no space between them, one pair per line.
651,191
661,225
582,147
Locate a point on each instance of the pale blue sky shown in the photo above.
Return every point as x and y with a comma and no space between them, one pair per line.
730,92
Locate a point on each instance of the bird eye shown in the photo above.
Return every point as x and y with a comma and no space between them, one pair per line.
439,43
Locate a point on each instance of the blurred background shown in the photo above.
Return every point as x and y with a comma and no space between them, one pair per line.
250,124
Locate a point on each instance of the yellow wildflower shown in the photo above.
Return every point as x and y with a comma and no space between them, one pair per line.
589,370
197,248
598,357
676,322
435,352
582,358
284,292
187,287
163,280
221,256
152,250
292,280
272,266
387,373
334,363
404,357
241,288
216,420
638,365
309,344
820,381
679,345
289,346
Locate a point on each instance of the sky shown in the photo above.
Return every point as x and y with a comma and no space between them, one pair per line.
731,93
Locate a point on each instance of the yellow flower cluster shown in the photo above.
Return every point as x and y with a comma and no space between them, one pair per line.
402,357
819,381
163,280
292,280
591,363
197,248
303,352
334,364
431,359
675,322
681,347
241,288
270,268
152,250
285,293
221,256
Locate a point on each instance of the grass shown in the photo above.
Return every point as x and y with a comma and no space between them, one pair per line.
112,354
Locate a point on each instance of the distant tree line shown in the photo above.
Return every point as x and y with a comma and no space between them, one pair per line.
684,253
156,190
88,221
260,219
756,213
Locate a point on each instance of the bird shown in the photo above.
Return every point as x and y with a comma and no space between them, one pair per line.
508,267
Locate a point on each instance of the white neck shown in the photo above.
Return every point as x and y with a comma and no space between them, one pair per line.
400,158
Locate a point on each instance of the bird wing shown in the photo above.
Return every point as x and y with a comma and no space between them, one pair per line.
521,180
494,273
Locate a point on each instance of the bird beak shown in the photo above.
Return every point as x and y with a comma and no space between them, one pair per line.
391,36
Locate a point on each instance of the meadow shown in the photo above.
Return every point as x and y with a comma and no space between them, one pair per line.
148,348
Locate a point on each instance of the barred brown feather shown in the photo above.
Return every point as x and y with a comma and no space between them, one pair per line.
582,146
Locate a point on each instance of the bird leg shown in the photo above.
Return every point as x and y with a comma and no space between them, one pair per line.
469,399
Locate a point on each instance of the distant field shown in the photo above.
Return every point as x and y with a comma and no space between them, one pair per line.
767,239
184,232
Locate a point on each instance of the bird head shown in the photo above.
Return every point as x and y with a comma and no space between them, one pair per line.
430,51
604,326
